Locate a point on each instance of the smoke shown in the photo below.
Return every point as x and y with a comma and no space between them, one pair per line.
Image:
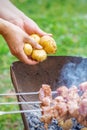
73,74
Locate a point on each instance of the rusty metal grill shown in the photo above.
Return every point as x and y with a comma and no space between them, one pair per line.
28,78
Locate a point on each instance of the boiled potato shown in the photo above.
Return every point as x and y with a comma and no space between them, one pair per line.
39,55
48,44
35,37
28,49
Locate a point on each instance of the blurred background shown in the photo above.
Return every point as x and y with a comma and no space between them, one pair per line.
66,20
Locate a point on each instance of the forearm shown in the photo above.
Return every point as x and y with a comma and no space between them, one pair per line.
4,25
1,25
13,15
8,11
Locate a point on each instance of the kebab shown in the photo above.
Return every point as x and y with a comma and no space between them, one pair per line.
67,104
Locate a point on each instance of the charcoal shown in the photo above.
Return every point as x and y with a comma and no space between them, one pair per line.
59,128
79,127
41,127
75,129
32,128
34,121
36,124
54,121
76,125
54,125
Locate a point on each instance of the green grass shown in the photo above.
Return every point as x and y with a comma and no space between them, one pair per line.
66,20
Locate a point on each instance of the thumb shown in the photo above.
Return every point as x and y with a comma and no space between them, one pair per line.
40,32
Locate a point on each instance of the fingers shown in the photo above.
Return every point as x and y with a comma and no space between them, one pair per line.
33,43
40,32
22,57
31,27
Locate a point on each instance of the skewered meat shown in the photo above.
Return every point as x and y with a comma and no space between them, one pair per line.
84,95
46,101
45,91
83,107
73,93
61,108
83,86
62,91
66,105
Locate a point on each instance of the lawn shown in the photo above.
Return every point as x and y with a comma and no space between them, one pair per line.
66,20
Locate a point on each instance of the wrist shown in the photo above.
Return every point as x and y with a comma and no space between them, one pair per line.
3,26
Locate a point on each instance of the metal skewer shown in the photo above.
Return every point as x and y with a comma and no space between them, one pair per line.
18,112
14,103
18,94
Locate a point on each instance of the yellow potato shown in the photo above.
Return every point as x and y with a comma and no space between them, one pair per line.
39,55
48,44
28,49
35,37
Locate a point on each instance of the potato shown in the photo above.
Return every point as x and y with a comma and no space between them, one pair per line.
28,49
39,55
35,37
48,44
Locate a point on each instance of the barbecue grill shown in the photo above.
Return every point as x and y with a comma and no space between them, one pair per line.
28,78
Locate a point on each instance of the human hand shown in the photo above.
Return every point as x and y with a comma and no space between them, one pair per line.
16,38
29,26
12,14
